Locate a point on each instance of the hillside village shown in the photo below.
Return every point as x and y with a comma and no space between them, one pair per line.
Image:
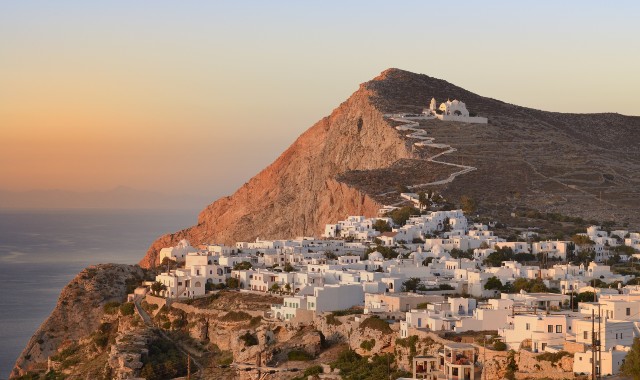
436,271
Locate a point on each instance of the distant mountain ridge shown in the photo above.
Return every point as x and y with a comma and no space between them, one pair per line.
121,197
578,164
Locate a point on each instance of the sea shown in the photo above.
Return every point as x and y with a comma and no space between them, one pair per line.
41,251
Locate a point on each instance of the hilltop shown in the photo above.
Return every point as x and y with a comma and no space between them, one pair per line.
352,161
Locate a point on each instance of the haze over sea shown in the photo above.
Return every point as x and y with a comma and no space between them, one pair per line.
41,251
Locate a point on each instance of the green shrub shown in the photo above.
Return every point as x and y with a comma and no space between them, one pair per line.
164,361
236,316
313,370
111,307
552,357
353,366
101,340
127,308
249,339
407,342
499,346
375,323
368,344
299,355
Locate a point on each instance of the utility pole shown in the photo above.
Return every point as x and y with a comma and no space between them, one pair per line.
188,366
593,345
599,344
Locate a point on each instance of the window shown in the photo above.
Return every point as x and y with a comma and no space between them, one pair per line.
585,335
528,326
558,328
550,328
628,311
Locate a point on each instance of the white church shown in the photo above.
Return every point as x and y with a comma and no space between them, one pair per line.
452,111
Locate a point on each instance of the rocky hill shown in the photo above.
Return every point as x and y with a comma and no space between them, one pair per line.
78,313
577,164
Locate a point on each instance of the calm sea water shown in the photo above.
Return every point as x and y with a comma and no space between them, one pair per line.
41,251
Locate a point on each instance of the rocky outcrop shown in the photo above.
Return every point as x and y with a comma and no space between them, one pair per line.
297,194
79,311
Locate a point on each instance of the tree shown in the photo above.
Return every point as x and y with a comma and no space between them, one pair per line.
169,264
288,267
631,365
157,287
583,297
381,225
468,204
233,283
493,283
427,261
330,255
287,288
401,215
275,287
423,200
411,284
244,265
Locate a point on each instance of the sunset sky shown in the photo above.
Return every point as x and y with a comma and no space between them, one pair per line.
197,97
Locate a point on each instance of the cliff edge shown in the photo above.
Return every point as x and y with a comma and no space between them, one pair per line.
78,312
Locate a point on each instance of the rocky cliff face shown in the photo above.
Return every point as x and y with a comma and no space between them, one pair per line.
297,194
549,161
78,313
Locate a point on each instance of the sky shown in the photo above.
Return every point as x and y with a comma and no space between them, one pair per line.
197,97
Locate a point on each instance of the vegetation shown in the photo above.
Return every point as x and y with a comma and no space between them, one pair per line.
168,264
244,265
582,240
583,297
381,225
288,268
236,316
111,307
493,283
249,339
411,284
368,344
499,346
552,357
355,367
387,252
375,323
127,308
468,204
529,285
157,287
401,215
330,255
163,361
460,254
310,371
299,355
631,365
495,259
233,283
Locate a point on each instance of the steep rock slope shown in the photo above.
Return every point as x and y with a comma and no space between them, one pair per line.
78,311
298,193
550,161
